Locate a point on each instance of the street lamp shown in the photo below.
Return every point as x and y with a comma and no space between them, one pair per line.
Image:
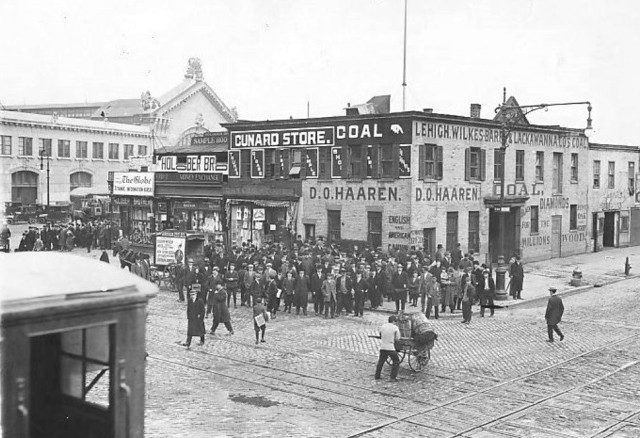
512,114
45,154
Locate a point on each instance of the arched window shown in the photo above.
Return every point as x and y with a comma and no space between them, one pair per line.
24,187
80,179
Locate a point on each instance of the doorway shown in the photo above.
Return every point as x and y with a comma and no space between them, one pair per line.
504,233
452,230
374,229
609,231
634,226
594,231
556,236
429,241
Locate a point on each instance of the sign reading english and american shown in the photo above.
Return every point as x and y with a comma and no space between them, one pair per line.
352,133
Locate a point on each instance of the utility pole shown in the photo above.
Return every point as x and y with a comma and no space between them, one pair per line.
404,61
42,156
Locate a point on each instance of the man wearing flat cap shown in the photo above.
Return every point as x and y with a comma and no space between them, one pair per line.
553,315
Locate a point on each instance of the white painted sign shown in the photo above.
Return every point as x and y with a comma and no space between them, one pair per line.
133,183
193,163
166,248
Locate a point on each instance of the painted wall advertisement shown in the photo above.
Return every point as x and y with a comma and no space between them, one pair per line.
133,183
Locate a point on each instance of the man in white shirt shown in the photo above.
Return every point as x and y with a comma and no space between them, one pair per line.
389,333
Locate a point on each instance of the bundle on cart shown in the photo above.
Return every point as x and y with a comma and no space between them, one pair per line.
421,330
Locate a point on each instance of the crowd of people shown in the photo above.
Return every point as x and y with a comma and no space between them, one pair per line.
59,237
316,278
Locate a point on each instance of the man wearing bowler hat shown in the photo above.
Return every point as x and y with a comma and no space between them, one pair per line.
553,315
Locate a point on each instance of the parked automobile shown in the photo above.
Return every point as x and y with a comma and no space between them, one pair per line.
23,213
56,213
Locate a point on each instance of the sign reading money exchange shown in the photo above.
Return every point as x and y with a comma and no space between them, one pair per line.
368,131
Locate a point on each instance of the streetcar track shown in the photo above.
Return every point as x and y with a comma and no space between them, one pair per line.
482,391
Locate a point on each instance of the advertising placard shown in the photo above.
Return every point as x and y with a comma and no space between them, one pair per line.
133,183
166,247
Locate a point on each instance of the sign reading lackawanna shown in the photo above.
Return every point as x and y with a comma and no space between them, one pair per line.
377,131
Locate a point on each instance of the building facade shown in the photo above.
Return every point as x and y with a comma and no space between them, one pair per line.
78,153
415,179
614,196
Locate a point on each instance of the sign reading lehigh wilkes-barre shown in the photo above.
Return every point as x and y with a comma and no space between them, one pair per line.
379,131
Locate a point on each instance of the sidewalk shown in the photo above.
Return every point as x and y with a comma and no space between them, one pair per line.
598,269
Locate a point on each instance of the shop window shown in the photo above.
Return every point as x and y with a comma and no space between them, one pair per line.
519,165
474,164
611,182
596,174
25,146
631,177
85,365
431,161
114,152
355,161
64,148
374,228
556,184
6,144
97,150
82,149
335,226
574,168
45,147
534,219
573,217
386,160
497,164
310,164
336,162
474,231
404,161
539,166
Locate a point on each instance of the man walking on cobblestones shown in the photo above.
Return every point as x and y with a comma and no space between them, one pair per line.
195,318
553,315
389,334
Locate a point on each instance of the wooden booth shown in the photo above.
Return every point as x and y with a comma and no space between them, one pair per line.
73,347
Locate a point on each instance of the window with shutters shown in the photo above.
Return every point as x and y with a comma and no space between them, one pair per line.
612,175
245,163
520,165
324,162
295,162
556,183
539,166
430,164
474,231
534,219
596,174
474,164
497,164
270,168
386,160
355,161
574,168
404,161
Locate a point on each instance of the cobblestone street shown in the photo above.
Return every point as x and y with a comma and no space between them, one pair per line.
314,377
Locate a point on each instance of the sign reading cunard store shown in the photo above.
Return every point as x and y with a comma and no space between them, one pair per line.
379,131
133,183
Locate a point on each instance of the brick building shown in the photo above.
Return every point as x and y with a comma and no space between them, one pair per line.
614,197
416,178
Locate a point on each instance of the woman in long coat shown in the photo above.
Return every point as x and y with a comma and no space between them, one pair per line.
220,310
195,318
303,286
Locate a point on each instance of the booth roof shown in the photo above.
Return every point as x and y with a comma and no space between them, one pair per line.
29,275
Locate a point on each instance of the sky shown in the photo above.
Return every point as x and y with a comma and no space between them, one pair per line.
269,58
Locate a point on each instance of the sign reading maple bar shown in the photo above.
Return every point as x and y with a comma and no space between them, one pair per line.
133,183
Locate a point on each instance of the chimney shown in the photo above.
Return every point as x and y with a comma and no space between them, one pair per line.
427,110
475,110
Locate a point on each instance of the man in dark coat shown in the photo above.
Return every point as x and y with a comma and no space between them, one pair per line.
486,290
553,315
302,288
400,281
195,318
220,310
316,288
516,273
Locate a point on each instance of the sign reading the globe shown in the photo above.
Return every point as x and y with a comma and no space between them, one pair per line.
133,183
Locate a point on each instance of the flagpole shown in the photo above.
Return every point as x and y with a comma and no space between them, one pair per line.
404,61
